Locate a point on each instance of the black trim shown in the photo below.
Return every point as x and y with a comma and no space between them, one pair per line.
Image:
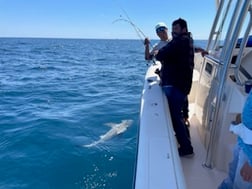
245,73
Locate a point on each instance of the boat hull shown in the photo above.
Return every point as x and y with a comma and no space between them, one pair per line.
158,163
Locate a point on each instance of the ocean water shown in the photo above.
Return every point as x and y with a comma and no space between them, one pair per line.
56,96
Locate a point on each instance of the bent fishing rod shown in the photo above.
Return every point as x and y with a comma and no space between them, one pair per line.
128,20
138,31
136,28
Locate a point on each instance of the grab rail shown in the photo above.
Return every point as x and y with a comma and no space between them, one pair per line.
226,55
213,32
242,46
227,50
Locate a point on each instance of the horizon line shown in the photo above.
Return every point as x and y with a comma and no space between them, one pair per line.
91,38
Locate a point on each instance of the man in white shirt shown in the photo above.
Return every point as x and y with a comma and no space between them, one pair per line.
162,33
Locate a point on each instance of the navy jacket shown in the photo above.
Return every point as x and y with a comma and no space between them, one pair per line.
177,59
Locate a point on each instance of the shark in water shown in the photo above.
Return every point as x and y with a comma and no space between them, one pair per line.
116,129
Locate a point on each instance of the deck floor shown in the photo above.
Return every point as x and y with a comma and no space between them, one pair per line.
196,175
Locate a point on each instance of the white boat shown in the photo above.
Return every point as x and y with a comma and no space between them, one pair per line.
217,96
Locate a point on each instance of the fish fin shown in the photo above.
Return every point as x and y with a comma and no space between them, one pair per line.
89,145
102,136
92,144
110,124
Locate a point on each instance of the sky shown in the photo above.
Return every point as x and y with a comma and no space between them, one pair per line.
98,19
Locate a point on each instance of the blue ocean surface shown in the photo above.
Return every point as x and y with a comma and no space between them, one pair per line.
58,95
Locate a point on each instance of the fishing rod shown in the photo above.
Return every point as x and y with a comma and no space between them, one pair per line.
138,31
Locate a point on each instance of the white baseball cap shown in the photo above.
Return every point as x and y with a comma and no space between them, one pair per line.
160,25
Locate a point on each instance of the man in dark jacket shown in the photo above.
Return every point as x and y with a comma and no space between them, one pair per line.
177,59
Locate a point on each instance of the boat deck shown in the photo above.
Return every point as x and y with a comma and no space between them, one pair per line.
196,175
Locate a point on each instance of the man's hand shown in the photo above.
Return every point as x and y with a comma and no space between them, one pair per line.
146,41
246,172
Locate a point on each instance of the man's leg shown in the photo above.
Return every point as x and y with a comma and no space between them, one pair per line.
176,101
185,112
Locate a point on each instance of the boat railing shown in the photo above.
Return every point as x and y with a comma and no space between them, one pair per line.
215,33
232,32
238,17
242,46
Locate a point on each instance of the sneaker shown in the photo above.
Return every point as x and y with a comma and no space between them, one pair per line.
188,154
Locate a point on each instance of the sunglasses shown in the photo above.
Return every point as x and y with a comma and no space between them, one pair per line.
161,29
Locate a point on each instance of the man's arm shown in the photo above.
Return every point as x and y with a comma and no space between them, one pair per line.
165,52
202,51
148,55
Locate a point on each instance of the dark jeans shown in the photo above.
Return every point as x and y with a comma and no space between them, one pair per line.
176,100
185,109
